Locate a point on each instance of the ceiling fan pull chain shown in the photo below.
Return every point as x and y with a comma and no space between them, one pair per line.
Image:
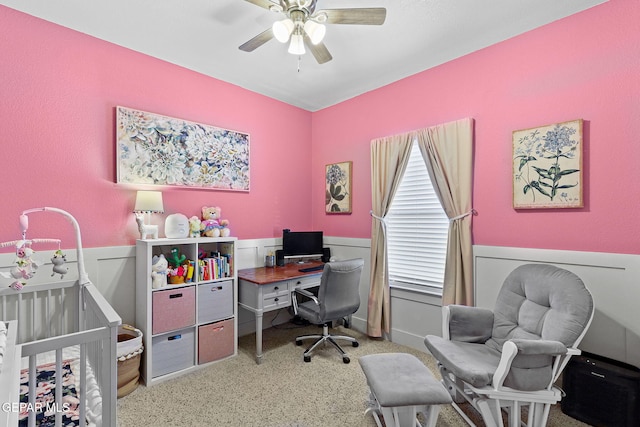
299,57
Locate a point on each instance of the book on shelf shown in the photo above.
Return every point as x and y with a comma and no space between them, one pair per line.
217,266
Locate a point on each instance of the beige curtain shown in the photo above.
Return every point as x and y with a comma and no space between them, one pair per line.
448,152
389,158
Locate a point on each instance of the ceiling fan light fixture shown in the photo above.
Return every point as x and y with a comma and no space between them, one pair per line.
282,30
297,45
315,31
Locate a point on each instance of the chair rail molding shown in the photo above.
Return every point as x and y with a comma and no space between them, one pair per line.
611,278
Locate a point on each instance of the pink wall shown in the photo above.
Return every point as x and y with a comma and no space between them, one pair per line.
585,66
58,92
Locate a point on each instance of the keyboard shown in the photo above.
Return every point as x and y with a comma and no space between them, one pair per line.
309,269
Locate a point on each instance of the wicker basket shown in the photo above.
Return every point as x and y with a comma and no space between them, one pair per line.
129,351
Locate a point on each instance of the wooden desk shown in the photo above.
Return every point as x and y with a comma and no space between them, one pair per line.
265,289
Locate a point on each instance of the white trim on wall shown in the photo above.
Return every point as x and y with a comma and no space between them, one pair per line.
611,278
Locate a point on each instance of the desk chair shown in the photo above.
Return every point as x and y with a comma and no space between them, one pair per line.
338,297
510,357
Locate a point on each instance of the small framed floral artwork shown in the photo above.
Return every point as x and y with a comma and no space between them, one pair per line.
547,166
338,188
159,150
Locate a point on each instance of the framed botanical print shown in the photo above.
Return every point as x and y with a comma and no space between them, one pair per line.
338,188
547,166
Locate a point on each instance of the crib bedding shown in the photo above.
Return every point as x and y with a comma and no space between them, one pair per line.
46,364
46,404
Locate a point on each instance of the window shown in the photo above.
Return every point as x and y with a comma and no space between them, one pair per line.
417,229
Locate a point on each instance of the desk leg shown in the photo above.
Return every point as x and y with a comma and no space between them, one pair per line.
259,337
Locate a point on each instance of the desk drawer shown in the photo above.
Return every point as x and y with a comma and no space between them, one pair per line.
305,282
274,289
272,302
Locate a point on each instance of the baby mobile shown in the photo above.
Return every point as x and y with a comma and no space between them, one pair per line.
26,265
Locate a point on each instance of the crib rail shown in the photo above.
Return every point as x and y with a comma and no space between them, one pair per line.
53,318
98,313
42,310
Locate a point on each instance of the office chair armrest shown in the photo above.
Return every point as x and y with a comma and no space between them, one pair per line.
467,324
307,294
294,299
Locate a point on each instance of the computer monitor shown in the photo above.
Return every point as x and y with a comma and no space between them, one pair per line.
298,244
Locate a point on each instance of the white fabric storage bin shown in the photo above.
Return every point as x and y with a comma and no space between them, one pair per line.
173,351
215,301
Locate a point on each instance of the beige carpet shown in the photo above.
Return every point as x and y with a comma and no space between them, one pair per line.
281,392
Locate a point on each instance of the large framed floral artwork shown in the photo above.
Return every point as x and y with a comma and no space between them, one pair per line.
157,150
338,188
547,166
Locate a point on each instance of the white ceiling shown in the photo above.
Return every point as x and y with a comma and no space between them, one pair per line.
204,35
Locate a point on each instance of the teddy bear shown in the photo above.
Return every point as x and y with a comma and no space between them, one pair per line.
212,225
194,226
159,269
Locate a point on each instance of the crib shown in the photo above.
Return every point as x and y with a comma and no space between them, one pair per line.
66,335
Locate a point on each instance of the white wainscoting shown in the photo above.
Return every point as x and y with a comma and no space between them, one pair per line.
111,269
413,315
613,279
251,253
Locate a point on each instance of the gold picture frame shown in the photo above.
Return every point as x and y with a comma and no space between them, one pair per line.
547,166
338,188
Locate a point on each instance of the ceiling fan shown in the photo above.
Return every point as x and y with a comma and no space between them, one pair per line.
303,25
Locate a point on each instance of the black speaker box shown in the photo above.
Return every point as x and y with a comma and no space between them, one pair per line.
280,258
601,391
326,254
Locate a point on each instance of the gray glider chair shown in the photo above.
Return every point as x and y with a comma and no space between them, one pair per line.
338,297
509,358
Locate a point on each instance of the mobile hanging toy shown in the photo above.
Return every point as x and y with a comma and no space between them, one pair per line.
25,265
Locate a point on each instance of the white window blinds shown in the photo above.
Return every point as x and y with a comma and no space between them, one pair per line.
417,229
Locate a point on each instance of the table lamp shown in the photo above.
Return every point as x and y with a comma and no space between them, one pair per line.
147,202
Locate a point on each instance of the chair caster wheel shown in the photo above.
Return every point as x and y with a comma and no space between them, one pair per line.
307,359
298,342
345,359
355,344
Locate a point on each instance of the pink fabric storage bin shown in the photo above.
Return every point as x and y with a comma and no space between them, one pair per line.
173,309
215,341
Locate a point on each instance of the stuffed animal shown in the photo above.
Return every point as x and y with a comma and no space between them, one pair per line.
58,261
194,226
176,259
25,266
212,225
159,267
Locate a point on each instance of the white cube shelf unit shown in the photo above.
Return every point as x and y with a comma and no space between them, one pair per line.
188,325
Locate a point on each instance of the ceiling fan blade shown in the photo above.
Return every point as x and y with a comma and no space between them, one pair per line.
319,51
361,16
267,4
257,41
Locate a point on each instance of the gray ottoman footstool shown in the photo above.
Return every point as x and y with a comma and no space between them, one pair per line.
401,386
